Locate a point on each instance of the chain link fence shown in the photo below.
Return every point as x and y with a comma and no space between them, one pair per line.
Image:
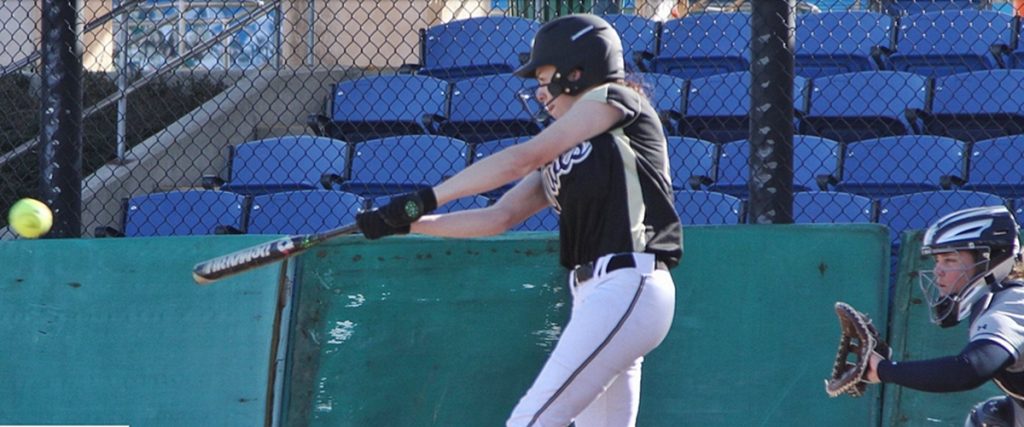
289,116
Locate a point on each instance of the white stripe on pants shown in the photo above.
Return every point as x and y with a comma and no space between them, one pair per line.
593,374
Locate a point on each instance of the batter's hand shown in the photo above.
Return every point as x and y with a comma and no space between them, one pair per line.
405,209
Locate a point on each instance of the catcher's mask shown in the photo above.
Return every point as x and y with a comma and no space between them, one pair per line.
991,234
580,42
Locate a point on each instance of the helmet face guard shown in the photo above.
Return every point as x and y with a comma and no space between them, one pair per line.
949,309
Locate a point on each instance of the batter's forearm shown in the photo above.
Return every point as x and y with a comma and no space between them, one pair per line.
470,223
485,175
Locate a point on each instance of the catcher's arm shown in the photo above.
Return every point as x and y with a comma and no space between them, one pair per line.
871,376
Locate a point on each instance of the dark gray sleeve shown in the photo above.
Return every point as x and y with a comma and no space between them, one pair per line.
978,362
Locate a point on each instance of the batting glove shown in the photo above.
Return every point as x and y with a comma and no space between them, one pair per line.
373,226
405,209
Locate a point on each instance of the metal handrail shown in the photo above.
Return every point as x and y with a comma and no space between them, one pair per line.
170,65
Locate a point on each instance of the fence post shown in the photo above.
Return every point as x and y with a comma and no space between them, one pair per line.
60,137
771,112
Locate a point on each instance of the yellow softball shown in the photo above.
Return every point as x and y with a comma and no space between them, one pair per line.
30,218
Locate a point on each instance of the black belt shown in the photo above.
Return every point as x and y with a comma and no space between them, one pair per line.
585,271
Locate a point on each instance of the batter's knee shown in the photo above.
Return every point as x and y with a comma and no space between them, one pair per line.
994,412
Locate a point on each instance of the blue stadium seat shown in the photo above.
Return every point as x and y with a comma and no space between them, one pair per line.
812,156
403,163
691,162
545,220
470,202
910,7
475,47
866,104
915,211
666,94
184,212
996,167
841,42
282,164
704,44
488,108
943,43
639,39
701,207
810,207
717,108
889,166
977,105
380,106
302,212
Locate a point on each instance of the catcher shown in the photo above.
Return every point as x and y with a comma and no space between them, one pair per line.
975,252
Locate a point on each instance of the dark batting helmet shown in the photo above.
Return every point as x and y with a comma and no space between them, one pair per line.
991,233
581,42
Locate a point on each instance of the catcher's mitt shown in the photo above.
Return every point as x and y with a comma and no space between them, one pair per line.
859,338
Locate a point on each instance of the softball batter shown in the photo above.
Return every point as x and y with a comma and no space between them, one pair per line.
603,165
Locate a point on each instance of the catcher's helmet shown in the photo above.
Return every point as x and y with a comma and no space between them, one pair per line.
581,42
991,234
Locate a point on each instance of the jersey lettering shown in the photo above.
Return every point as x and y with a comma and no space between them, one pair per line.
561,166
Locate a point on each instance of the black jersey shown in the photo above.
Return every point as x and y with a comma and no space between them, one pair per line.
613,193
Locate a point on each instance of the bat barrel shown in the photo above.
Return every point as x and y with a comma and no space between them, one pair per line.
246,259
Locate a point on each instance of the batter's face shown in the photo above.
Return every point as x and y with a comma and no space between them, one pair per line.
953,271
555,105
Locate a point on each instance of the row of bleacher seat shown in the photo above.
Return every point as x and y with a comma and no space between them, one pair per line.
196,211
875,167
906,7
930,43
845,107
854,106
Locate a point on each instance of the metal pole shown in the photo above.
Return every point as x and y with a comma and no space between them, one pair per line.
310,28
771,112
122,83
278,38
60,158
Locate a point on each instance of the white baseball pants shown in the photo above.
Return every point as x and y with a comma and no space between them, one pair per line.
593,374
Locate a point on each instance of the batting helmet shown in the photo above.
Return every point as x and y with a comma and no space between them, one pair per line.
991,233
581,42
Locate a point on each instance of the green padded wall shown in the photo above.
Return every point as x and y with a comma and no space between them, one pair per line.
114,331
914,337
755,332
417,331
